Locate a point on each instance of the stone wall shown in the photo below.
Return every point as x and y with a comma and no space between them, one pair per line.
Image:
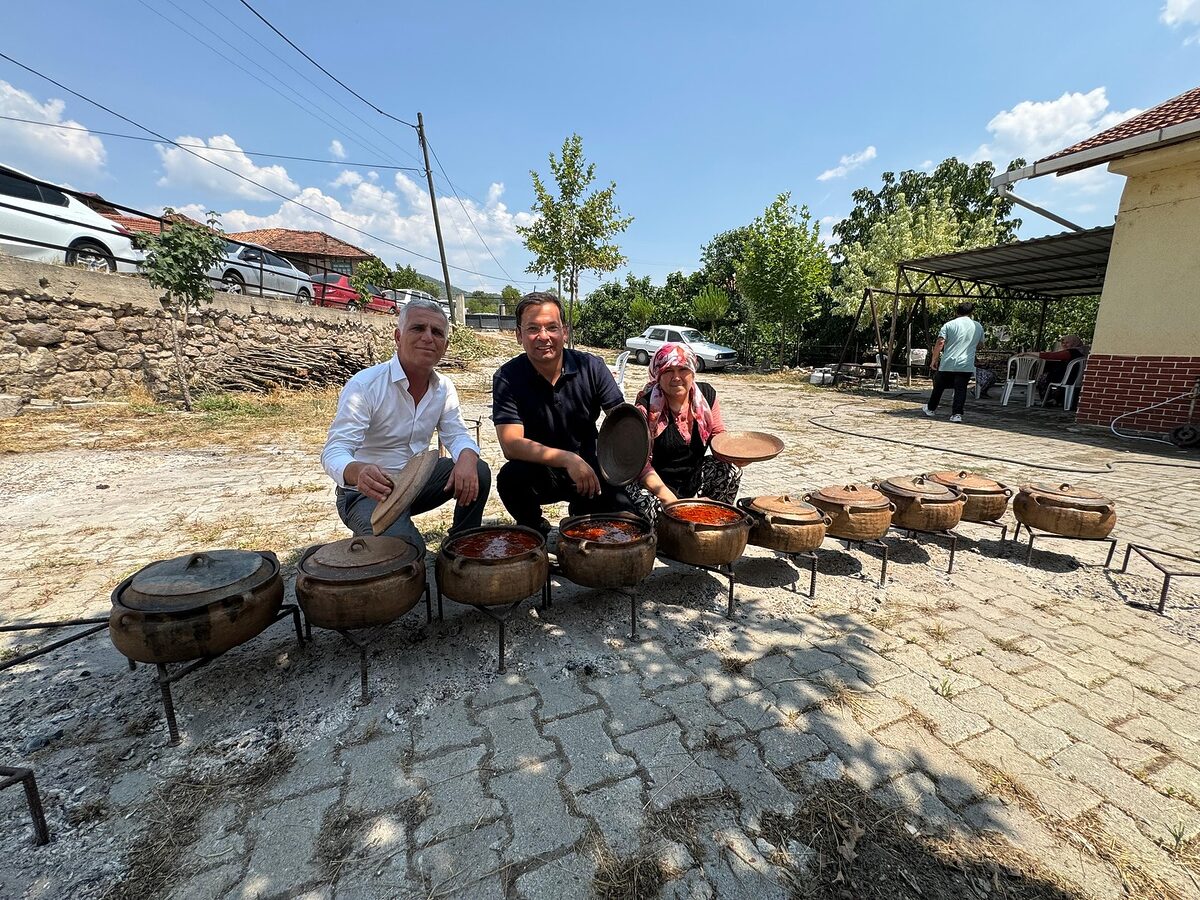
70,333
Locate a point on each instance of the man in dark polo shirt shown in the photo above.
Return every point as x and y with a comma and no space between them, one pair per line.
545,404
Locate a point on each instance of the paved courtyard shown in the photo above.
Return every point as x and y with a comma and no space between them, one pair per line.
1030,730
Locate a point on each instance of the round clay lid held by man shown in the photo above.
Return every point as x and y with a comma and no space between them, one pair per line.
623,445
406,484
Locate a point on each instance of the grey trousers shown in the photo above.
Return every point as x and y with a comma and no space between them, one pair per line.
355,508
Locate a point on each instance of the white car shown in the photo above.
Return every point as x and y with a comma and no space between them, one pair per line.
48,225
402,297
250,269
708,354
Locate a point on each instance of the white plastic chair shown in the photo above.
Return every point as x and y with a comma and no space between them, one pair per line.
1069,389
1023,372
618,371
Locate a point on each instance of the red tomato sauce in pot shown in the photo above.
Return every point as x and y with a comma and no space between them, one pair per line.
611,532
494,545
704,514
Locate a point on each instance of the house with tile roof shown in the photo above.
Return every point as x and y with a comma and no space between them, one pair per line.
1146,348
311,251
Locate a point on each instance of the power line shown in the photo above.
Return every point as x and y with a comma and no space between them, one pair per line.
134,137
464,209
314,112
242,177
264,20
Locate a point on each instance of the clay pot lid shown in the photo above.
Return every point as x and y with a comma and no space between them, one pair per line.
786,508
861,495
1068,494
918,486
742,447
623,445
359,557
196,579
968,482
406,484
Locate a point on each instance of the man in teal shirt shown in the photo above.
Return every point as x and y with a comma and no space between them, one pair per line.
953,361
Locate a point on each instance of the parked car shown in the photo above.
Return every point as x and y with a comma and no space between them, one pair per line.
403,296
333,289
708,354
247,269
28,231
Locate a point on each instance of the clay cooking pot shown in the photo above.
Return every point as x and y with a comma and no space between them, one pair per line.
361,582
857,512
590,556
986,499
785,524
1065,509
702,532
923,505
466,573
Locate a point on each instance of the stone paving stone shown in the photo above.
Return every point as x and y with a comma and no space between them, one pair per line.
515,740
916,794
1088,766
589,752
453,793
721,684
953,724
505,688
375,776
867,762
1149,854
915,658
214,882
957,781
1095,706
738,765
537,814
1135,675
1154,734
446,725
568,878
692,886
755,711
872,667
282,837
673,772
1134,701
313,767
628,708
1021,694
561,694
1058,794
807,660
1035,738
467,865
736,869
617,811
1177,779
377,867
785,746
1124,752
657,668
696,714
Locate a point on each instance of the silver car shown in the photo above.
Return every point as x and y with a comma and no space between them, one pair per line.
254,270
708,354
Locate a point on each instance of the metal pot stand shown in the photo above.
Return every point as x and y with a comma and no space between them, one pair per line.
874,543
912,535
506,610
1145,553
794,558
10,776
1049,535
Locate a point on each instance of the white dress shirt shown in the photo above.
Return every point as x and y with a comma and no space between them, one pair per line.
377,422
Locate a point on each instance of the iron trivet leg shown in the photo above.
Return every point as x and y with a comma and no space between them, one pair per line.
362,663
164,685
811,556
10,776
501,620
97,624
633,617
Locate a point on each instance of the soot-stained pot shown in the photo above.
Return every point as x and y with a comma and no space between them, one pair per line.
1065,509
857,512
702,532
921,504
986,499
606,551
197,605
361,582
492,566
785,524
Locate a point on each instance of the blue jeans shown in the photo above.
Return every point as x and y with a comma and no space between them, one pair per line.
355,508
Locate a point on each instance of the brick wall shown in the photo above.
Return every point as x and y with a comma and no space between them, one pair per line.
1113,385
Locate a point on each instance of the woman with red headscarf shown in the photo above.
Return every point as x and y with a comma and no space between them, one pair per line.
683,415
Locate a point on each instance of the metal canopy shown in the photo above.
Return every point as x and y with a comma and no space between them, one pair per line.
1047,268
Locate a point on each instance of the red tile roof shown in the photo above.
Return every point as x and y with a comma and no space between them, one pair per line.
309,243
144,225
1177,110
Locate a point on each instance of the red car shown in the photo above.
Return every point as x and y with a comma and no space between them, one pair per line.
332,289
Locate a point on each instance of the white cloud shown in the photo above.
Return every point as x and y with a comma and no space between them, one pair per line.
1182,14
848,164
827,223
336,149
400,213
927,166
347,178
30,146
1034,129
188,169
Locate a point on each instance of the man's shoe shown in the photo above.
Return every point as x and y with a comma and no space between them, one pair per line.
956,418
929,412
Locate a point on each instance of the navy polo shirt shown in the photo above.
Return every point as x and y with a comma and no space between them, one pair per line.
562,415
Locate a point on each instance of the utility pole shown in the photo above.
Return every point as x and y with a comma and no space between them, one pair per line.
437,225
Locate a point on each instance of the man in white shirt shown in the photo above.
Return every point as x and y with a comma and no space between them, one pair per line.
387,414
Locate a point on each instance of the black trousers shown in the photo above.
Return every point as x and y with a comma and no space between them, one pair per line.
956,380
524,487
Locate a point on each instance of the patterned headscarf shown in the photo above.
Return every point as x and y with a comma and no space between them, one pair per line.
668,356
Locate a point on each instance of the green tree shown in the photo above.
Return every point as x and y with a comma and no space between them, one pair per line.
711,305
784,268
406,278
482,302
641,311
604,316
510,296
573,230
373,271
178,260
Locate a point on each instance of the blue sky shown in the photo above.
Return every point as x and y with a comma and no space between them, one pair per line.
701,112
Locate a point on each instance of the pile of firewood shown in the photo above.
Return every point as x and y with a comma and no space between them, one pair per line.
308,365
